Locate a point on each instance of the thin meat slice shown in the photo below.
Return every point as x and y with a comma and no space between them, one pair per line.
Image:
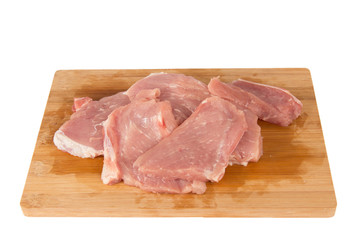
129,132
282,109
184,93
200,148
281,99
82,135
79,102
249,148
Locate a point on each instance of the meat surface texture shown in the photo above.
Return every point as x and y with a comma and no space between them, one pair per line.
82,135
129,132
270,104
199,149
184,93
249,148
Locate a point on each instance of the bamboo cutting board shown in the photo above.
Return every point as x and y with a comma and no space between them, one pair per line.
292,179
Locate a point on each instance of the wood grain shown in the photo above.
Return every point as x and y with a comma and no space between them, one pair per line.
292,179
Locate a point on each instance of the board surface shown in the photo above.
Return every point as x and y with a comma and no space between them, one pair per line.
292,178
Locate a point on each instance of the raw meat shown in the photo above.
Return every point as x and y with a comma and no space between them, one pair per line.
287,104
82,135
249,148
200,148
269,103
79,102
129,132
184,93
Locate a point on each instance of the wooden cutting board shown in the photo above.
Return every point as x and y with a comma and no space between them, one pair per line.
292,179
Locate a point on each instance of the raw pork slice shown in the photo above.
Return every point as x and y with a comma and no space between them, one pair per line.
79,102
286,103
269,103
249,148
184,93
82,135
129,132
200,148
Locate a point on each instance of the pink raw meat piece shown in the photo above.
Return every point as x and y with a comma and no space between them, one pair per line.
184,93
281,99
249,148
79,102
129,132
82,135
199,149
270,103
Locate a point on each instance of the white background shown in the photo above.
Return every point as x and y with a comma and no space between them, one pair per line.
39,37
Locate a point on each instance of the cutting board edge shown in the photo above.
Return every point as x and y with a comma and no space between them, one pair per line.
150,70
307,212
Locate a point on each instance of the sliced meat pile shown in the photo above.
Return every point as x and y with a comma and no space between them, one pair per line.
132,130
170,133
200,148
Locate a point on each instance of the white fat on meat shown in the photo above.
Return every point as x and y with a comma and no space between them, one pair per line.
82,135
65,144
